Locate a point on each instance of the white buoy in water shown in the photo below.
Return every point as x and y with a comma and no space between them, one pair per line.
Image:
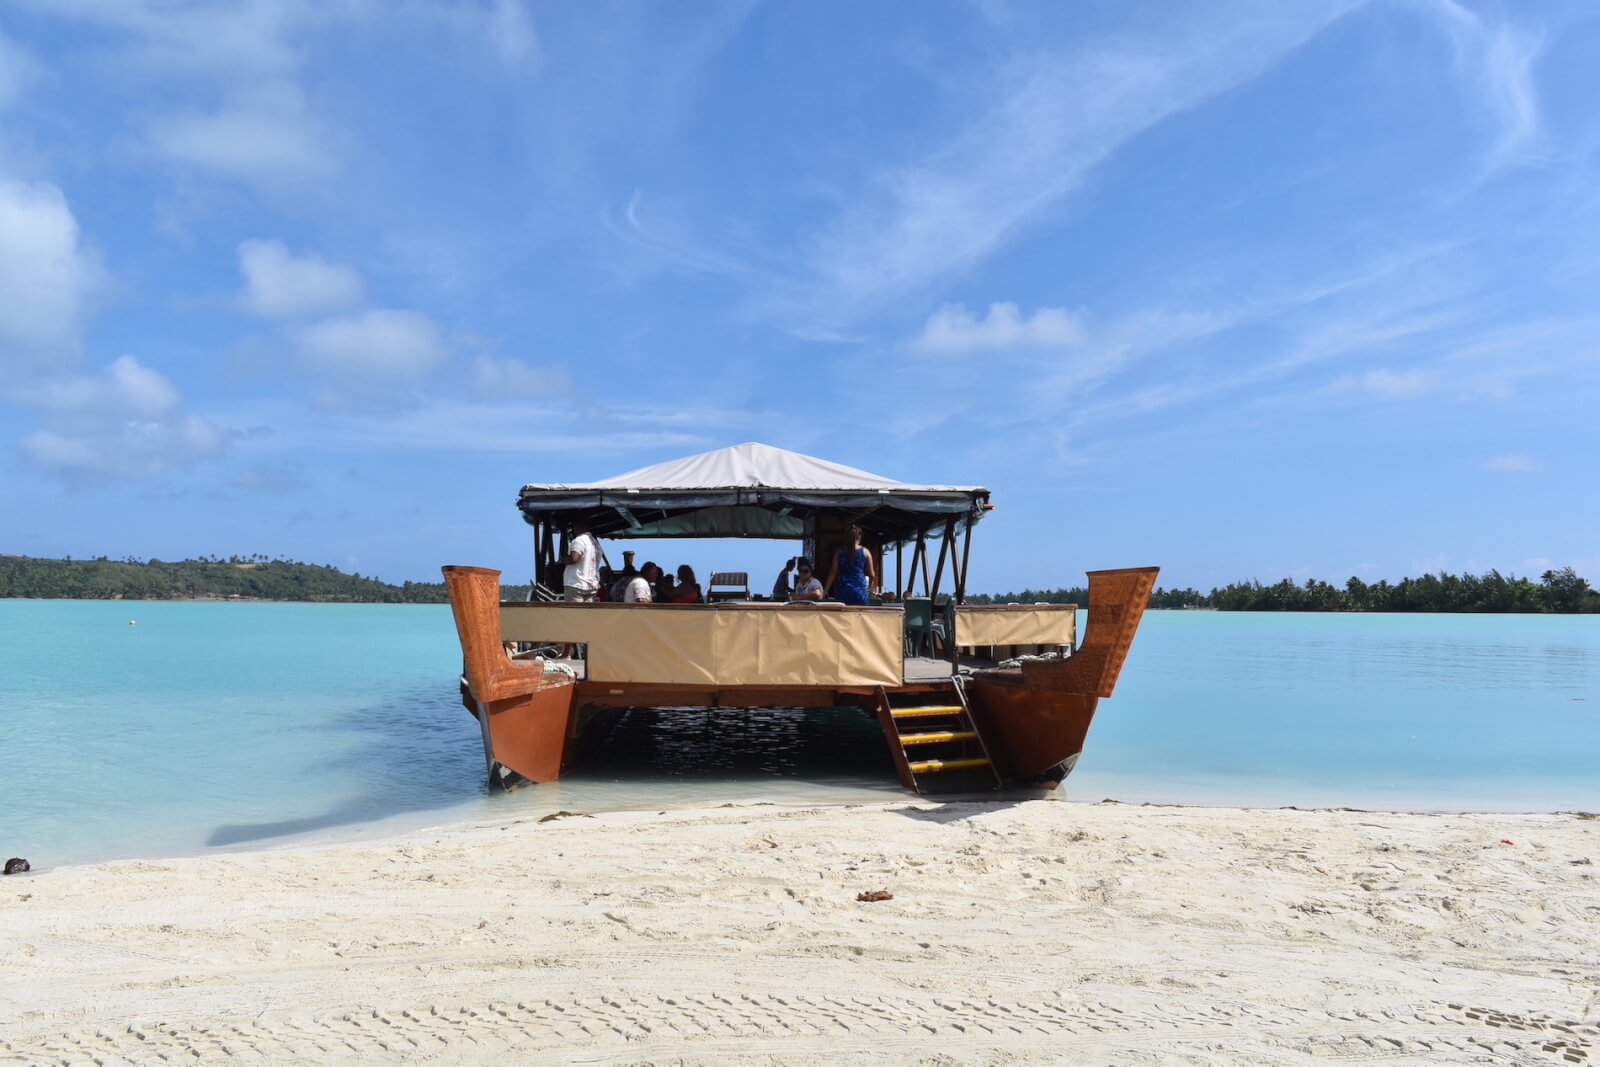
133,622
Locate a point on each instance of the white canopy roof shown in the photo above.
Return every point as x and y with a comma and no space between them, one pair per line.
749,490
753,466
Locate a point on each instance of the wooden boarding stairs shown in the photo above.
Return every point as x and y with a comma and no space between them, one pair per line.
936,739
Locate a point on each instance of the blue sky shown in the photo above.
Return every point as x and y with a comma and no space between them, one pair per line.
1243,289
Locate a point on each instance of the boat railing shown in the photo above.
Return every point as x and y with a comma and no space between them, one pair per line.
1014,629
721,645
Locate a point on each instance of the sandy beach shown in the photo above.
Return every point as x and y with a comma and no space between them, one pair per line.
1042,932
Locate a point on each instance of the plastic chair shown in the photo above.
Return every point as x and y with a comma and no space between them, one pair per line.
735,585
944,620
919,625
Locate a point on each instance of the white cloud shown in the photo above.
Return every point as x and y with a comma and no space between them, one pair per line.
281,284
954,329
513,377
46,276
1520,463
126,423
128,389
378,345
265,136
1389,384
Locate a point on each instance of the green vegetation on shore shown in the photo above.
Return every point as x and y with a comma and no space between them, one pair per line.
259,578
1557,591
241,577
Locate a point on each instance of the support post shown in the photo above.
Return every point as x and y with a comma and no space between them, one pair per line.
547,553
966,556
955,569
538,551
944,548
922,553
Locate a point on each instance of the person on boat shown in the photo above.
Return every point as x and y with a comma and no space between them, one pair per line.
627,574
688,591
641,587
806,586
782,589
581,580
853,575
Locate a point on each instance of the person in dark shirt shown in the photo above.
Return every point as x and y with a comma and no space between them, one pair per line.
782,588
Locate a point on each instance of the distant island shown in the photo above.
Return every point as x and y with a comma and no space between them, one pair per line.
260,578
211,578
1561,591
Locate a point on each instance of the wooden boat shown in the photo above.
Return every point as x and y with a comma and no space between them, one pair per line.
973,714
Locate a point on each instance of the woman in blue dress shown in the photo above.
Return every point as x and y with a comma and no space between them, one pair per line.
852,574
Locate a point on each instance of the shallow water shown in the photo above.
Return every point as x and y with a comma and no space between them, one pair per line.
1422,712
212,725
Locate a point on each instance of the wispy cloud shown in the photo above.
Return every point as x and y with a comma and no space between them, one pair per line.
378,345
230,39
518,425
1056,117
1389,384
18,71
275,478
1497,57
515,377
953,330
265,136
664,237
510,32
1519,463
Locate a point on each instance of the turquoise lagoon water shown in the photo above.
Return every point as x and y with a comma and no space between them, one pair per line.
219,725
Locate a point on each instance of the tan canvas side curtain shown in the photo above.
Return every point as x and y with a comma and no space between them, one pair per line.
725,645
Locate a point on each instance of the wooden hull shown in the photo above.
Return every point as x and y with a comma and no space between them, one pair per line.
533,736
1035,718
1033,734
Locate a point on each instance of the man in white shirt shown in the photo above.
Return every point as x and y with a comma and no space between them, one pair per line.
581,580
641,588
806,586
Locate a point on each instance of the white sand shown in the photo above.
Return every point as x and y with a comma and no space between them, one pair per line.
1038,933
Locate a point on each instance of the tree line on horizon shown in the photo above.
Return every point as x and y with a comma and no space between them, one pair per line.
258,577
1561,591
209,578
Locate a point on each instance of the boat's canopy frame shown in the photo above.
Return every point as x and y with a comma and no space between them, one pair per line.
757,491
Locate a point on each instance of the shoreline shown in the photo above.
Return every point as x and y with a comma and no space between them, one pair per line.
1018,932
471,815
